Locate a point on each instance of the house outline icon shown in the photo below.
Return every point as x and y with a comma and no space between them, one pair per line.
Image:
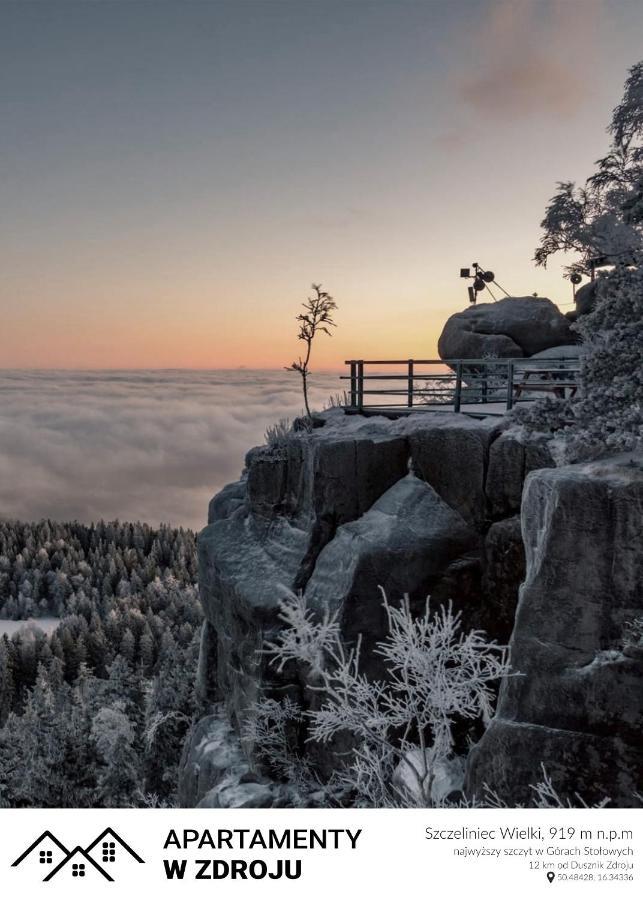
109,832
39,840
81,853
78,852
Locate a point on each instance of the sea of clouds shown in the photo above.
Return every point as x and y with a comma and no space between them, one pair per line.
150,446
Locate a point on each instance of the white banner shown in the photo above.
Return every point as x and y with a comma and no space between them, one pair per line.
295,853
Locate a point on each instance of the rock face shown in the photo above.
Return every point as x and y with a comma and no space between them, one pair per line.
515,326
511,459
409,542
461,509
411,505
504,572
576,705
214,772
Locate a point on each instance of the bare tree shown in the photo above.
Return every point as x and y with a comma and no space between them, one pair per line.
317,316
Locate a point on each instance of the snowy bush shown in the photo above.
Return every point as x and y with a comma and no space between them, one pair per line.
402,729
276,435
606,413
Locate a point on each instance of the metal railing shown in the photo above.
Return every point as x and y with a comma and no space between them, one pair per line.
433,384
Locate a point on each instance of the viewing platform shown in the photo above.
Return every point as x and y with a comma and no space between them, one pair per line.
475,387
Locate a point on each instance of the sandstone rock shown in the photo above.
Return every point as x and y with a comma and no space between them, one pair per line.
512,456
515,326
582,767
434,451
504,572
211,751
564,351
404,544
206,688
214,772
229,499
266,534
336,513
576,707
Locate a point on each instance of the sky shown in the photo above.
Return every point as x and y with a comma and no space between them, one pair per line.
174,175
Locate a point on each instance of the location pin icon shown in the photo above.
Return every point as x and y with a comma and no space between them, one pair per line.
550,877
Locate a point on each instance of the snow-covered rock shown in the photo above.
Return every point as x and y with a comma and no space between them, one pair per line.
564,351
215,773
424,504
446,777
267,531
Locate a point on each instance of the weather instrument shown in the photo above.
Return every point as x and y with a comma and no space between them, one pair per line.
481,279
575,279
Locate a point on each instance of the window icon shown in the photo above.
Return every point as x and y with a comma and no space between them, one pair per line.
109,851
78,869
46,857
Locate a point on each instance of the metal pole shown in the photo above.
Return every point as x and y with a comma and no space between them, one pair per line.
360,385
410,384
510,385
353,366
458,388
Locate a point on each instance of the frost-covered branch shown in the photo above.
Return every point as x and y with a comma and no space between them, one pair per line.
402,727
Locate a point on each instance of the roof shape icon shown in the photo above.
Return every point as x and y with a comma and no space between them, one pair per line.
78,852
45,834
109,832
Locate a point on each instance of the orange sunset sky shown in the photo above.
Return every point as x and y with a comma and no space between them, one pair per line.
174,175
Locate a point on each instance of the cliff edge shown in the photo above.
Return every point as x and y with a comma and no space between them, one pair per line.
428,504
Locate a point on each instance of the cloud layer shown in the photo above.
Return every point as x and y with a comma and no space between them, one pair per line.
530,57
148,445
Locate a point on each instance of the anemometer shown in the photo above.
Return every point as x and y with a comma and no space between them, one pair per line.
482,278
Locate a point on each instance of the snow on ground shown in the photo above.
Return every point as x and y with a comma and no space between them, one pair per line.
11,626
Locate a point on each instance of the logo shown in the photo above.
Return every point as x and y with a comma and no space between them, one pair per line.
100,859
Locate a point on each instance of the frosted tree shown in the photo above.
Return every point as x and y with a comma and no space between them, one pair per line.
114,737
607,412
603,219
6,681
402,728
317,317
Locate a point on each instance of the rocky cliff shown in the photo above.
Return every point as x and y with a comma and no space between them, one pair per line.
575,706
429,504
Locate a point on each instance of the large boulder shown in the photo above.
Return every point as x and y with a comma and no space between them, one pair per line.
574,705
406,544
513,327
